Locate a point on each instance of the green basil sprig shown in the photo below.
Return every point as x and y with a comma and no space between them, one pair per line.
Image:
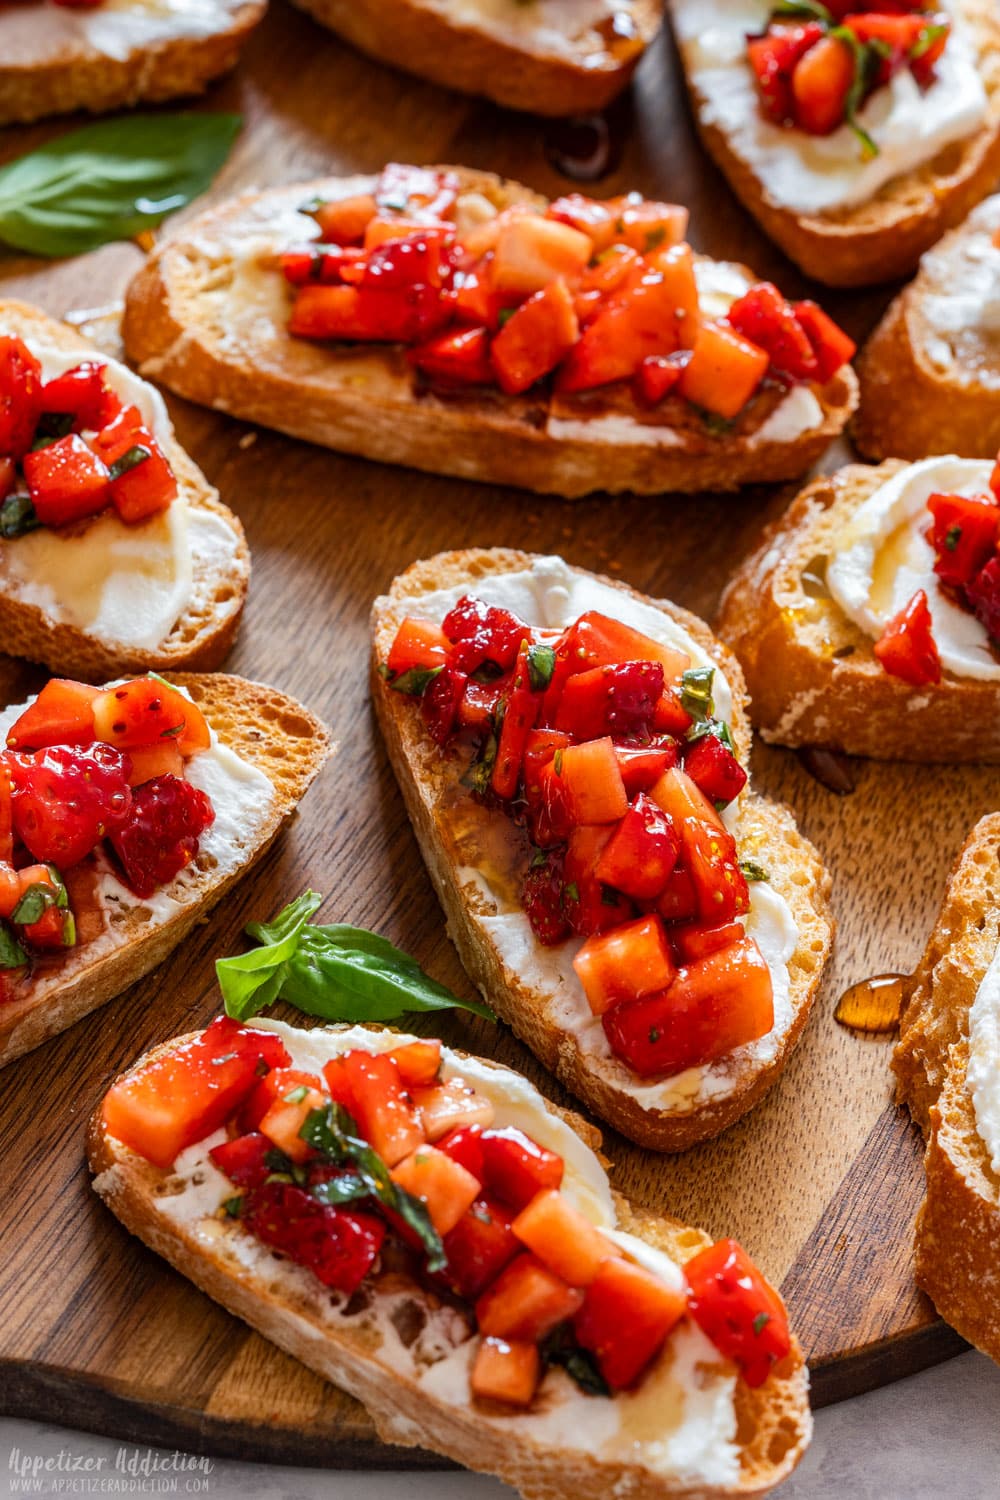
110,180
336,972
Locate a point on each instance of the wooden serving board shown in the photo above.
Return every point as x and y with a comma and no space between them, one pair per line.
821,1182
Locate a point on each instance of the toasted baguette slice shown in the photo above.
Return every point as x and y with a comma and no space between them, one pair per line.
431,785
883,238
55,59
811,672
557,1449
540,57
204,634
958,1226
121,937
930,373
207,317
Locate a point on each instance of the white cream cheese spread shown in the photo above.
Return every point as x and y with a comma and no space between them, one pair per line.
812,174
553,26
882,557
983,1071
116,27
960,306
551,594
679,1422
126,585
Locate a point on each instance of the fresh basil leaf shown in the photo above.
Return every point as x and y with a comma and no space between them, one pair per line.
330,1131
696,692
12,955
928,38
803,8
561,1349
135,456
866,61
336,972
717,727
346,1187
752,870
17,516
110,180
414,682
477,777
250,981
33,904
541,665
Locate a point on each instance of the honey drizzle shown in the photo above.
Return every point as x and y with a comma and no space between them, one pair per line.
874,1006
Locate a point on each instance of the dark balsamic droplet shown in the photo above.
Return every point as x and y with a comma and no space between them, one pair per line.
830,768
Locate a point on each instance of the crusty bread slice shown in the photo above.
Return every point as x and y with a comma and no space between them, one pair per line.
203,635
266,728
517,65
811,672
884,238
207,317
929,389
430,783
50,66
958,1226
285,1305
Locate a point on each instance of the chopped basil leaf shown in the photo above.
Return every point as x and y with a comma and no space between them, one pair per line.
331,1132
953,537
414,681
34,904
336,972
54,425
277,1161
760,1322
540,857
557,762
297,1095
135,456
866,61
654,1033
802,8
346,1187
12,955
696,692
505,314
715,727
560,1349
383,671
17,516
233,1206
928,38
752,870
477,777
571,892
541,665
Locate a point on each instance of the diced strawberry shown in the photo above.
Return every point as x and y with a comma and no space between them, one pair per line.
506,1370
625,1319
657,376
144,711
418,1062
442,698
983,594
821,83
724,370
964,535
515,1167
384,1112
447,1106
542,899
62,714
295,1101
713,767
67,481
147,761
562,1238
66,799
270,1090
162,832
403,316
338,1245
464,1146
461,358
482,633
678,901
738,1310
589,905
625,964
773,57
82,393
520,710
531,252
527,1301
763,316
535,339
830,344
710,857
343,222
655,312
416,259
906,648
642,764
593,782
20,397
641,852
446,1189
692,940
244,1159
618,700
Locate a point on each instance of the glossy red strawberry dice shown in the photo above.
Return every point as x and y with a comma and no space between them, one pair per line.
738,1310
160,835
338,1245
66,799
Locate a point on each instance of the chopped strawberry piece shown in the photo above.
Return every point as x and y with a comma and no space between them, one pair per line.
506,1370
657,376
483,632
563,1238
417,643
617,700
678,900
821,83
83,394
345,220
641,852
693,940
542,899
479,1246
830,344
455,358
67,799
418,1062
520,710
655,312
440,703
244,1159
515,1167
20,397
464,1146
763,316
738,1310
625,964
713,767
535,339
412,260
642,764
62,714
724,370
527,1301
338,1245
591,906
449,1106
593,782
67,481
906,648
144,711
385,1113
363,315
964,535
773,58
161,834
625,1319
983,594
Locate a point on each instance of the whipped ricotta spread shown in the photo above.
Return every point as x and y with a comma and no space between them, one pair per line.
128,585
680,1422
116,27
553,26
882,557
550,594
819,174
719,283
983,1071
244,801
960,306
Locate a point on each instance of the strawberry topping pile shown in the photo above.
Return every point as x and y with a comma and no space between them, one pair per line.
817,65
86,771
965,536
581,295
380,1157
70,448
603,746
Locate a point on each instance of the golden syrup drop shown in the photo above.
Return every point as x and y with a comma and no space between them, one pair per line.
830,768
874,1005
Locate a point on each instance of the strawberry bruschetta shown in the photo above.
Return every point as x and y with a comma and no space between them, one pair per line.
61,55
868,619
856,134
449,320
116,555
427,1231
126,812
573,759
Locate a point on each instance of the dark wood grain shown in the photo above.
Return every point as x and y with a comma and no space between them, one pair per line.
820,1182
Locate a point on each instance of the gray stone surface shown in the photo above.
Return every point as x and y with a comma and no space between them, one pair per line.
933,1437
